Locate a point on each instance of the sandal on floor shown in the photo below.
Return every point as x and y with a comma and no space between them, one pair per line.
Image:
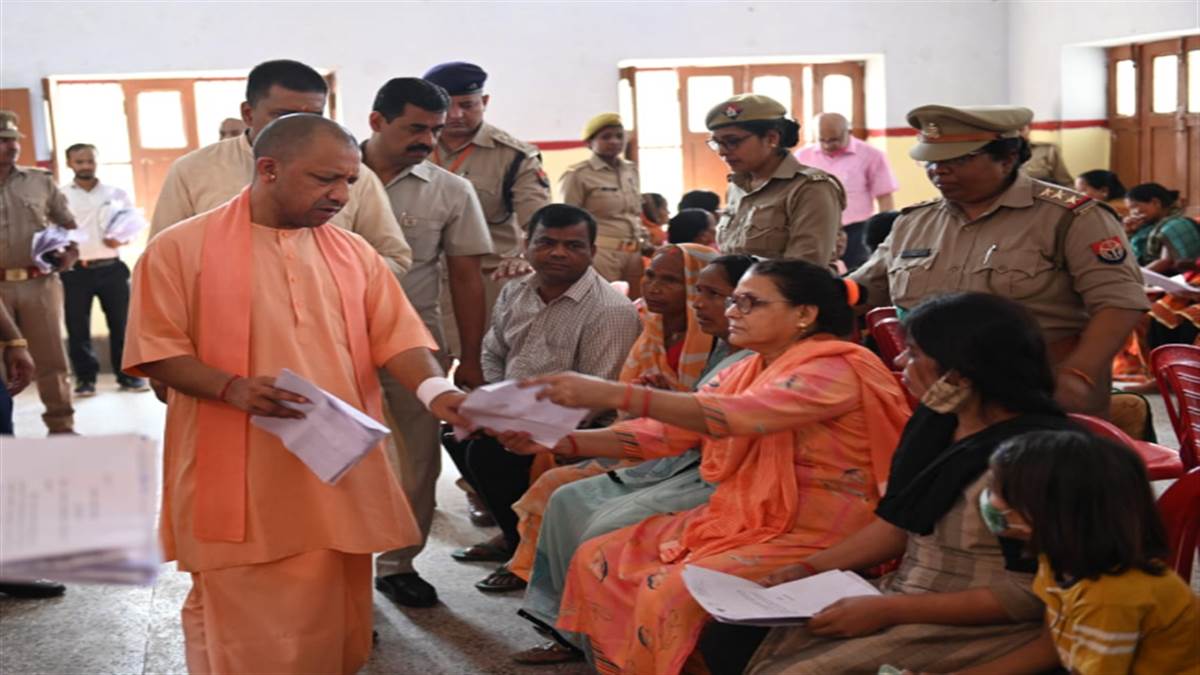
547,654
501,581
487,551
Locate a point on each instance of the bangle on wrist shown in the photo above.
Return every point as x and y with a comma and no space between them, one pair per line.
627,398
807,567
574,445
432,388
225,389
15,342
645,401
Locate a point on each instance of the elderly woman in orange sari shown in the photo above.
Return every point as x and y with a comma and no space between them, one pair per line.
798,439
671,353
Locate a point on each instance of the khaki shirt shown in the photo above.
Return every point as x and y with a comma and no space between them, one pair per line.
1010,251
439,213
1046,165
610,194
29,201
210,176
796,214
491,153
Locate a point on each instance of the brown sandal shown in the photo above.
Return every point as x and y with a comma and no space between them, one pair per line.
546,654
501,581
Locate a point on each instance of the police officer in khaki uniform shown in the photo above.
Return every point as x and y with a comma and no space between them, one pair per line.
995,229
29,202
777,207
1045,162
506,172
606,186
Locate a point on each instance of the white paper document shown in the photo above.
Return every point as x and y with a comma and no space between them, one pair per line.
1175,284
504,406
79,509
51,239
124,224
732,599
334,435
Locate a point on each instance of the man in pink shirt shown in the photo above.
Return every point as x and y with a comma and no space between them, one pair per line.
863,171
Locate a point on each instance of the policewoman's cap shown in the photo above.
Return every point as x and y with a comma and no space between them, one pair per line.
594,125
945,132
744,108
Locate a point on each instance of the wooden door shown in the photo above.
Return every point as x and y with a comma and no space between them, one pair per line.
699,90
838,87
1124,122
17,101
782,82
162,128
1189,79
1161,129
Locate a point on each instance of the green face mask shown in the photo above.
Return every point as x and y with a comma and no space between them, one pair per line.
996,519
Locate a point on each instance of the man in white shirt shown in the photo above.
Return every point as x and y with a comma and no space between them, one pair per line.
98,274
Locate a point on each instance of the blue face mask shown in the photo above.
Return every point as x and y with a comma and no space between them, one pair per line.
996,519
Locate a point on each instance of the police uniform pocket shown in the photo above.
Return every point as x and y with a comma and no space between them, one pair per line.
36,211
766,231
910,276
424,235
1018,274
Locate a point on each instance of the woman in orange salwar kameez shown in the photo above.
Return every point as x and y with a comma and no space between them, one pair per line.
797,438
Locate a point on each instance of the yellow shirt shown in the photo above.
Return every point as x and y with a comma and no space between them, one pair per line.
1128,623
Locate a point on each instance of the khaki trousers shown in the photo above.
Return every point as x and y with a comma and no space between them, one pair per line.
37,307
620,266
491,291
416,456
309,613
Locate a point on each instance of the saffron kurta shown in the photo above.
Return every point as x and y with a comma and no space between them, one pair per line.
799,451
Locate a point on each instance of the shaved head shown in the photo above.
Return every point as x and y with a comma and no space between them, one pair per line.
304,167
833,132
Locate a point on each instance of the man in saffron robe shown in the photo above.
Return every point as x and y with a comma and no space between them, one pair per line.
222,302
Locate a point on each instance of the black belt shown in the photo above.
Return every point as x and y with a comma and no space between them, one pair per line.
102,262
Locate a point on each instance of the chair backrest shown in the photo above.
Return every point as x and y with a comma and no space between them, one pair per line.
889,339
879,313
1179,507
1103,428
1176,368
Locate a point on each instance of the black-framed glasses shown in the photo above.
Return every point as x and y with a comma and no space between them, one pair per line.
954,162
729,143
746,303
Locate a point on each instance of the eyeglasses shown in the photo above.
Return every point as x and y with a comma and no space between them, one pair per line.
954,162
729,143
746,303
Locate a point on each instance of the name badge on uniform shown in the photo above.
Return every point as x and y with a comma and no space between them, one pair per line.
608,189
916,253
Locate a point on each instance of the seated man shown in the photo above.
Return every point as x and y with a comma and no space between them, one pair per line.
543,324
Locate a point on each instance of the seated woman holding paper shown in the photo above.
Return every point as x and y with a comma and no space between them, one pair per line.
962,595
601,504
798,439
670,353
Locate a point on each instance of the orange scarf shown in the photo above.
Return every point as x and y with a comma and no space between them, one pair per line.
223,342
649,356
762,498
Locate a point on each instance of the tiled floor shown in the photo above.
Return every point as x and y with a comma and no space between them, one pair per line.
124,630
113,629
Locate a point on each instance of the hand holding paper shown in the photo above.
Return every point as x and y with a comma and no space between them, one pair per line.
732,599
506,406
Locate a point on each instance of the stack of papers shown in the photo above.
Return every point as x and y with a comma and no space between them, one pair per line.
79,509
124,225
47,241
504,406
334,435
1175,284
732,599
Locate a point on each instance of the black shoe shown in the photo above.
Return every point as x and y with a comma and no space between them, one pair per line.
85,388
407,589
32,589
133,384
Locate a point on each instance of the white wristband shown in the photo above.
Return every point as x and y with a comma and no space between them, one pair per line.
432,388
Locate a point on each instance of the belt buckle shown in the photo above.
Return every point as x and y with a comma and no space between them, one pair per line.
16,274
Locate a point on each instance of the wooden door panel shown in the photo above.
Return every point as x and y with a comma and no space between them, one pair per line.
703,169
154,141
1125,154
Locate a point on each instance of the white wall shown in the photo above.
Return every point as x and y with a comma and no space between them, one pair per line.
551,65
1040,35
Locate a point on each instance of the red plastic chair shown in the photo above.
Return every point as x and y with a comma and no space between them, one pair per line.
878,314
1176,368
888,333
1161,462
1180,510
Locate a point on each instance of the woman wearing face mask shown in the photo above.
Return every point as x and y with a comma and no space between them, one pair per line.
778,207
797,438
961,595
602,504
607,186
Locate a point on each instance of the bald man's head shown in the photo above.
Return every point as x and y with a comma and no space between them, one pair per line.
305,164
833,132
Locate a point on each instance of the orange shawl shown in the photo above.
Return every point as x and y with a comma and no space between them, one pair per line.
760,499
649,356
223,342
